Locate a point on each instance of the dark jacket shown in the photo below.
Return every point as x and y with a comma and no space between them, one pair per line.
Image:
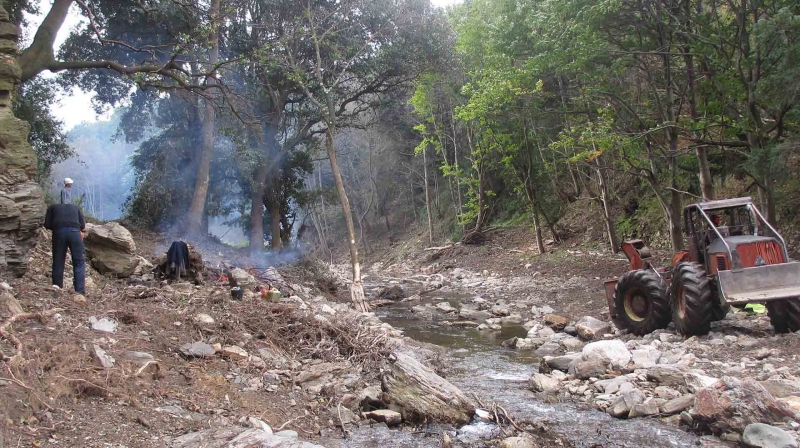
60,216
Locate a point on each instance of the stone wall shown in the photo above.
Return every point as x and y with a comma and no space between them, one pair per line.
21,200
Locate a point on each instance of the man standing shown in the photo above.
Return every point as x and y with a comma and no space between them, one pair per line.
67,223
66,192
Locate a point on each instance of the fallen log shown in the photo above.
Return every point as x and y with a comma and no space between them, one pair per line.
419,394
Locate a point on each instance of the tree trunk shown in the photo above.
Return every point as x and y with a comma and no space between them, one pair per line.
275,217
427,195
357,288
257,208
706,181
204,166
612,234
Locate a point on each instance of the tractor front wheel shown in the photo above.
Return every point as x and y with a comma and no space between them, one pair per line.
692,299
642,302
784,315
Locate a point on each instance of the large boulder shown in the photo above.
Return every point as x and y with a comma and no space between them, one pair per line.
22,204
733,405
613,352
111,250
760,435
544,383
418,393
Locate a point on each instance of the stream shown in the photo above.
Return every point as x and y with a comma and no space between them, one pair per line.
481,366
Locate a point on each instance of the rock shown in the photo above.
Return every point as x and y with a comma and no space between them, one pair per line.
571,344
548,349
445,307
9,305
501,310
585,369
517,442
590,328
391,418
666,393
393,293
760,435
474,315
237,437
646,409
202,318
234,352
105,360
645,357
666,375
540,332
696,381
781,388
525,344
571,330
555,322
110,249
103,325
197,350
622,406
678,405
287,434
241,278
543,383
255,422
561,362
419,393
612,352
21,199
511,320
737,405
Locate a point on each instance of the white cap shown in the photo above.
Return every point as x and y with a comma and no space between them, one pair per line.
67,181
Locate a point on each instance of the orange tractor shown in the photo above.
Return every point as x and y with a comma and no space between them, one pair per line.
733,257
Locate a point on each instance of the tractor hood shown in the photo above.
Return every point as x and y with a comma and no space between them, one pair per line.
718,247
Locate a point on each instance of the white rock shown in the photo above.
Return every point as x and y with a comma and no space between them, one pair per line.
103,325
202,318
696,381
645,357
544,383
613,351
106,360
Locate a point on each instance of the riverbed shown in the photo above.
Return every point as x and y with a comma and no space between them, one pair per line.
482,367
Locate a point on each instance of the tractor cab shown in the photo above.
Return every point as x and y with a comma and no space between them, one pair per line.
730,234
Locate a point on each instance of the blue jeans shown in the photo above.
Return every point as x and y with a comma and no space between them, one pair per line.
63,239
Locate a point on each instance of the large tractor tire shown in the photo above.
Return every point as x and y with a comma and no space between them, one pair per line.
693,303
642,302
784,315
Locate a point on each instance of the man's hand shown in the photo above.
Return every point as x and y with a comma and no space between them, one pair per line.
83,234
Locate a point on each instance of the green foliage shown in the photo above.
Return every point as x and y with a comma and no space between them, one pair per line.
32,104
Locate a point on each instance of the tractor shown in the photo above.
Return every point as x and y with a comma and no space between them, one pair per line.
733,257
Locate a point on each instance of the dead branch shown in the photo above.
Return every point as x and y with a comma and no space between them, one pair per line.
13,339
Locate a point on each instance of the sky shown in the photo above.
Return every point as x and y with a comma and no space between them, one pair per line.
75,107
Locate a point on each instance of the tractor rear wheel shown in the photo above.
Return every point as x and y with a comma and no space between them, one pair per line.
642,302
784,315
692,299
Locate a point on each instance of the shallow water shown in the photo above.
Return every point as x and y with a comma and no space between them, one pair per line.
494,373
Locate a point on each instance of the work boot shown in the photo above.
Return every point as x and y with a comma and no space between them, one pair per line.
79,298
